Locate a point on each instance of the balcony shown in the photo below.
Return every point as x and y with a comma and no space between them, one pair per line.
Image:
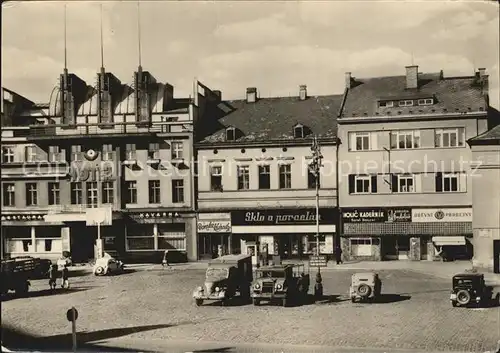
94,130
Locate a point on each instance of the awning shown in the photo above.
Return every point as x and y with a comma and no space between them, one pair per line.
446,241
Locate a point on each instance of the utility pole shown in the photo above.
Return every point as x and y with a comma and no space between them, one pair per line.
315,168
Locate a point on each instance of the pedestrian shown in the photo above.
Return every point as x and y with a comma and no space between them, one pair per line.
53,276
338,255
65,277
165,259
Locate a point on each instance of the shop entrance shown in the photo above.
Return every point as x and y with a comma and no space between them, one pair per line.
395,247
289,246
82,240
209,243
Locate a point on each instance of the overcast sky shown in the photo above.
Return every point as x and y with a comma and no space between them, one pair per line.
231,45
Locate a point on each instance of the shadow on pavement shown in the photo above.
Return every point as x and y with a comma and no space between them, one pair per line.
16,339
80,273
326,299
214,350
391,298
45,292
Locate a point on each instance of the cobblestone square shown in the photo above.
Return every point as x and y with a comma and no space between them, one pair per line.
415,313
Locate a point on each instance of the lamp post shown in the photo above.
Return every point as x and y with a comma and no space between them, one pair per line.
315,167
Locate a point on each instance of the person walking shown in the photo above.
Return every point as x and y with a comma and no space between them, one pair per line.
338,255
53,277
65,277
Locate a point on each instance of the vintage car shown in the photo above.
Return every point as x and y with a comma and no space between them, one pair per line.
106,265
287,283
470,288
365,286
226,276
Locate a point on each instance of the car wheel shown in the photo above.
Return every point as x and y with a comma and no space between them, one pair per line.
364,290
454,304
284,302
22,289
199,302
256,302
463,297
99,271
353,300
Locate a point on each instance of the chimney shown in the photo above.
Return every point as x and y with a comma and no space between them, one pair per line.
251,95
412,76
302,92
348,80
218,94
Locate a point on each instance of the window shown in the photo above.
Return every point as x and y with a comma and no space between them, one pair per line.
405,139
131,195
216,178
76,153
92,196
362,184
8,154
30,154
406,103
172,236
243,177
264,177
285,176
107,152
154,151
9,194
361,246
387,104
107,192
76,193
177,191
360,141
130,152
403,183
454,137
55,154
54,194
447,182
177,150
165,127
298,131
230,134
154,191
140,237
31,194
312,177
427,101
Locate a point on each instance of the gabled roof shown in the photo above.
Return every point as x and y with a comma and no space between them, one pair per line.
491,136
453,95
273,119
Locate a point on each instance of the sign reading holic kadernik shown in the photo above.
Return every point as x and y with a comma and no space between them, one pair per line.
376,215
283,216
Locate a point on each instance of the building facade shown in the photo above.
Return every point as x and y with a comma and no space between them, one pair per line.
128,148
405,189
255,186
485,200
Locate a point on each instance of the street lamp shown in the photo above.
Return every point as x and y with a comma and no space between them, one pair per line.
315,167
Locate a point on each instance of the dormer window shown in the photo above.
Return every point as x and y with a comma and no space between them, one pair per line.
406,103
298,131
427,101
386,104
230,134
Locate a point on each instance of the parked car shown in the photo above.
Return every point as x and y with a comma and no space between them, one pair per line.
16,274
365,286
226,276
107,265
42,267
470,289
286,283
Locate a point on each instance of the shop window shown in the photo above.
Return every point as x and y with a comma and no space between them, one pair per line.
27,245
140,237
216,178
48,244
361,246
264,177
172,236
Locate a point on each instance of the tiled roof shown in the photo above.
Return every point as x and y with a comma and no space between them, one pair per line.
492,135
453,94
273,119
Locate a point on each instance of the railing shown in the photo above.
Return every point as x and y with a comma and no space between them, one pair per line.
98,129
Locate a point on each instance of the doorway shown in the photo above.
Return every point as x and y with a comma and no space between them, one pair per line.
82,241
396,247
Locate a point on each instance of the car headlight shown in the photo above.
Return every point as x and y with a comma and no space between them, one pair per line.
200,289
279,286
217,289
256,286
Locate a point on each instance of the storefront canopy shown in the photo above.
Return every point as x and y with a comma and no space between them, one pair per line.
444,241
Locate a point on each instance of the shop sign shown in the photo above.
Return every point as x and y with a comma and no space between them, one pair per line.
354,215
399,215
156,217
222,226
23,217
425,215
283,217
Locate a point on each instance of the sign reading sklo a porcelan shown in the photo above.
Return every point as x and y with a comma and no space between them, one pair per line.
425,215
214,223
